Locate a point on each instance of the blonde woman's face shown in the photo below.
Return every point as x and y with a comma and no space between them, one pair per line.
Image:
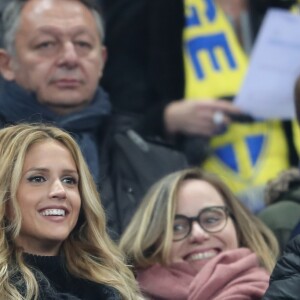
48,197
200,246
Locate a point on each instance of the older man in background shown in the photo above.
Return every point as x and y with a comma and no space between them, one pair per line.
51,63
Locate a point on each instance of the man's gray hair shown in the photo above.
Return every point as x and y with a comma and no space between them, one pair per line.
11,20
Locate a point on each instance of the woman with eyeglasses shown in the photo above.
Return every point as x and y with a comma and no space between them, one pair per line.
192,239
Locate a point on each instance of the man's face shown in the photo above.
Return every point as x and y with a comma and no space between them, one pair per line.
59,55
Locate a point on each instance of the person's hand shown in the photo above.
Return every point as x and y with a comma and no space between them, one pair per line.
233,8
198,117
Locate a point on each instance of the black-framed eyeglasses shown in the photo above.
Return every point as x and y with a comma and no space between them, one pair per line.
211,219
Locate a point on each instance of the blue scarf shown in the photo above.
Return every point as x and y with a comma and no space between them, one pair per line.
18,105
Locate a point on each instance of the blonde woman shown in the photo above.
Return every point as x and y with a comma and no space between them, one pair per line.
192,239
53,240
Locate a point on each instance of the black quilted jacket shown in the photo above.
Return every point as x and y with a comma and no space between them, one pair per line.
285,279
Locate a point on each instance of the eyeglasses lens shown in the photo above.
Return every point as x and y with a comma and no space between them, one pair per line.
211,219
181,228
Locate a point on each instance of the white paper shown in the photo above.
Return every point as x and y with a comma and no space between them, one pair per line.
268,89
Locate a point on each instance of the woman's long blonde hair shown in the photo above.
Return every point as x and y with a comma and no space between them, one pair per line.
89,252
148,238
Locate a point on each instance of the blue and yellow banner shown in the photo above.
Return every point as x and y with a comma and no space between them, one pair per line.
246,155
215,64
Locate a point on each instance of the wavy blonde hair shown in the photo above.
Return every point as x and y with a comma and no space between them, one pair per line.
89,252
148,238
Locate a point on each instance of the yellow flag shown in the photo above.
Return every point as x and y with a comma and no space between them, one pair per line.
215,63
246,155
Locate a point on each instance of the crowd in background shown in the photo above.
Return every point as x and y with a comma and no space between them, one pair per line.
133,101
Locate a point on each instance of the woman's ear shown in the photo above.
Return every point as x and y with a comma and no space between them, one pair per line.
6,66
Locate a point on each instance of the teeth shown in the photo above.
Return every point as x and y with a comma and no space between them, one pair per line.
203,255
53,212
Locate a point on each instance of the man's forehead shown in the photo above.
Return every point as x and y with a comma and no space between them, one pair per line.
54,8
63,14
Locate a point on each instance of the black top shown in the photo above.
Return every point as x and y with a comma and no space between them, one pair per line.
144,70
63,285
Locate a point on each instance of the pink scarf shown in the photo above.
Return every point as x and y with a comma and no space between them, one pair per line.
231,275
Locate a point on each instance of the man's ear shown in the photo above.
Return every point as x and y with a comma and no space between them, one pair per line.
6,69
103,54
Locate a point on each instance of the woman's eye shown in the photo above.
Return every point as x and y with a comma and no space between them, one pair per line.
70,180
36,179
178,227
211,220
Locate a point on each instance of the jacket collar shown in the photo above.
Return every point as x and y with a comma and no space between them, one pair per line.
19,105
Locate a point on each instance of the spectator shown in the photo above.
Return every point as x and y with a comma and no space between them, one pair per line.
285,279
168,63
53,234
282,193
192,239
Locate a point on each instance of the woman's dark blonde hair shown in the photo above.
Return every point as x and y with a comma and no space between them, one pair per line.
89,252
148,238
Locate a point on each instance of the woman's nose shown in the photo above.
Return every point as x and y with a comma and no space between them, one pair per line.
57,190
198,234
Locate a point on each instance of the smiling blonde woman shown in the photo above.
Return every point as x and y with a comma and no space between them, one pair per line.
192,239
53,239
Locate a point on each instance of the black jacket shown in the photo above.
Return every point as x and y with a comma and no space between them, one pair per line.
62,285
285,279
144,70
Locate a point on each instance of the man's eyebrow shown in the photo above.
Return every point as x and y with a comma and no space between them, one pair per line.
75,30
83,31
